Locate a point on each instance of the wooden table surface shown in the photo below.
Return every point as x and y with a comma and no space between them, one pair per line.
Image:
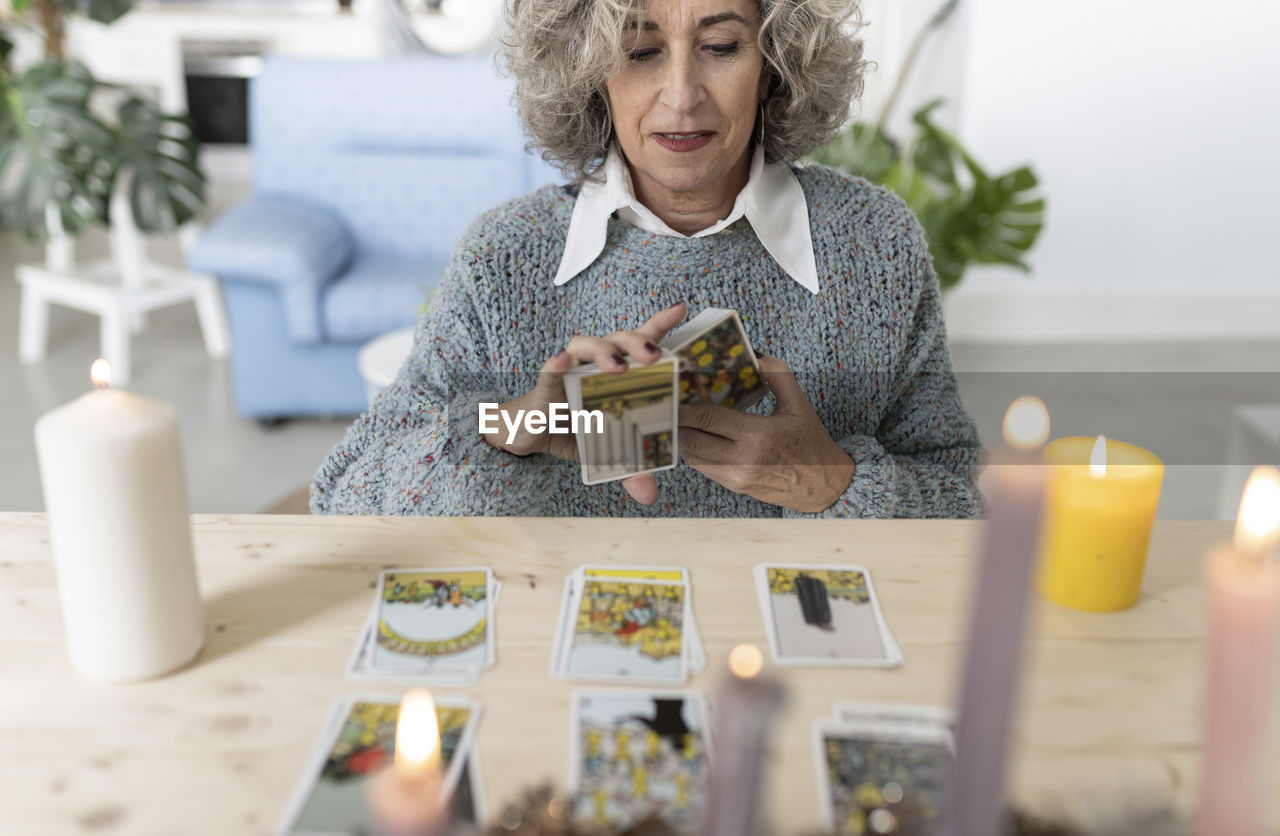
1110,702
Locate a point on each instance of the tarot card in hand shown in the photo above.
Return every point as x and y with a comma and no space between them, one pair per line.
824,615
636,412
634,755
625,629
865,766
717,365
432,621
358,740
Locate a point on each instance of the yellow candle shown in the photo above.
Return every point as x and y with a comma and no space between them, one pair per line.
1099,506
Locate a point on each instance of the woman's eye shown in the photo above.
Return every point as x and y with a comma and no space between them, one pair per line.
641,54
722,49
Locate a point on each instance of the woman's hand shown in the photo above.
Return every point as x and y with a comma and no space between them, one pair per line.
787,458
610,355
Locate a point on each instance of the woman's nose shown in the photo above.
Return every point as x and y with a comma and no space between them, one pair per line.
682,87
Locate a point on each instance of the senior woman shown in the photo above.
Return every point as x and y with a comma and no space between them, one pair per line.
677,122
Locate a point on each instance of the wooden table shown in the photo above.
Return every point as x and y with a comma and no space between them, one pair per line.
1111,703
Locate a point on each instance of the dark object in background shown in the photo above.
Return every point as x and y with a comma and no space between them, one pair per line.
814,604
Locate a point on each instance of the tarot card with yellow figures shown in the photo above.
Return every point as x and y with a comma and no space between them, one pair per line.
438,619
863,767
717,365
824,615
358,740
628,631
638,754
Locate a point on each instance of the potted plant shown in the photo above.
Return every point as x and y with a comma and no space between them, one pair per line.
60,159
969,215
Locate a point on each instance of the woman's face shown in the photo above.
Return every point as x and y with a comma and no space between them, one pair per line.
684,106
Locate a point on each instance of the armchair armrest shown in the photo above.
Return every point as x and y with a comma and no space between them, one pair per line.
298,247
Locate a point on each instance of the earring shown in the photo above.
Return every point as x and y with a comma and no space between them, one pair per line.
760,139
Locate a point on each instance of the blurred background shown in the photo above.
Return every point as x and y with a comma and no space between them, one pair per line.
1097,179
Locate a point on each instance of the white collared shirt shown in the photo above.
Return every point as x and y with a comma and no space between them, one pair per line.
772,202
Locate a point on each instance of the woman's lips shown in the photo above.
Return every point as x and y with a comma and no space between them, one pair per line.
690,141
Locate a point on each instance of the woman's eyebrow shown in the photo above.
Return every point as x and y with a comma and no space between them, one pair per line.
703,23
721,17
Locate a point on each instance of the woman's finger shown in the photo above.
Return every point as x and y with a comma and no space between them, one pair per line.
705,446
637,345
663,321
550,385
607,356
643,489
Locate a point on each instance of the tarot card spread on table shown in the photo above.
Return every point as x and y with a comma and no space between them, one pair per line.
863,765
628,630
824,615
429,624
359,739
638,754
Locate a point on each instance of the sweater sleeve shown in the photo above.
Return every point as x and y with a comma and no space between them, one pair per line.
418,449
925,456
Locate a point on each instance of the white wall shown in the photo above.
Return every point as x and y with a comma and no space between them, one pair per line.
1154,129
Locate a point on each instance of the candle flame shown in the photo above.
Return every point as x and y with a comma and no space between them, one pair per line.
1258,523
1026,423
746,661
418,732
100,373
1098,458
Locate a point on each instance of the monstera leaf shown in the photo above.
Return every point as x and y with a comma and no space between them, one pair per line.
163,156
862,150
968,215
102,11
58,154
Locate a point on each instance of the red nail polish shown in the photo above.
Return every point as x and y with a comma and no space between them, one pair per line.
617,358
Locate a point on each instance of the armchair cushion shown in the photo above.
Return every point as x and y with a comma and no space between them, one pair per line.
298,246
380,292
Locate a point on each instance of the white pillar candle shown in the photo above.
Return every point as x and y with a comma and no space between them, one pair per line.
111,468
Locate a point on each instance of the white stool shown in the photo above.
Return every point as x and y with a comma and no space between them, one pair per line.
120,290
380,360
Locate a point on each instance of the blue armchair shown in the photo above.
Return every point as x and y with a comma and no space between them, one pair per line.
365,176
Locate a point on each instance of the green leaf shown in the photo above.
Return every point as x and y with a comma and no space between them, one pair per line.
167,188
984,219
860,150
102,11
20,6
107,11
58,154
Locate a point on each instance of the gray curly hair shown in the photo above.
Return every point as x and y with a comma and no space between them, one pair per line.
562,51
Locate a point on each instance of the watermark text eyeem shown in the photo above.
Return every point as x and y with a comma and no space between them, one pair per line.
559,419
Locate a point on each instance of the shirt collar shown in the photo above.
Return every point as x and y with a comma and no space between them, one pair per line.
772,202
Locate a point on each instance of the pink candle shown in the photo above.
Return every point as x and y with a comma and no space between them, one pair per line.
744,709
1244,597
405,797
1014,487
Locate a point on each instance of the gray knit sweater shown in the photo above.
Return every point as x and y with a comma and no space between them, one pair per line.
869,351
